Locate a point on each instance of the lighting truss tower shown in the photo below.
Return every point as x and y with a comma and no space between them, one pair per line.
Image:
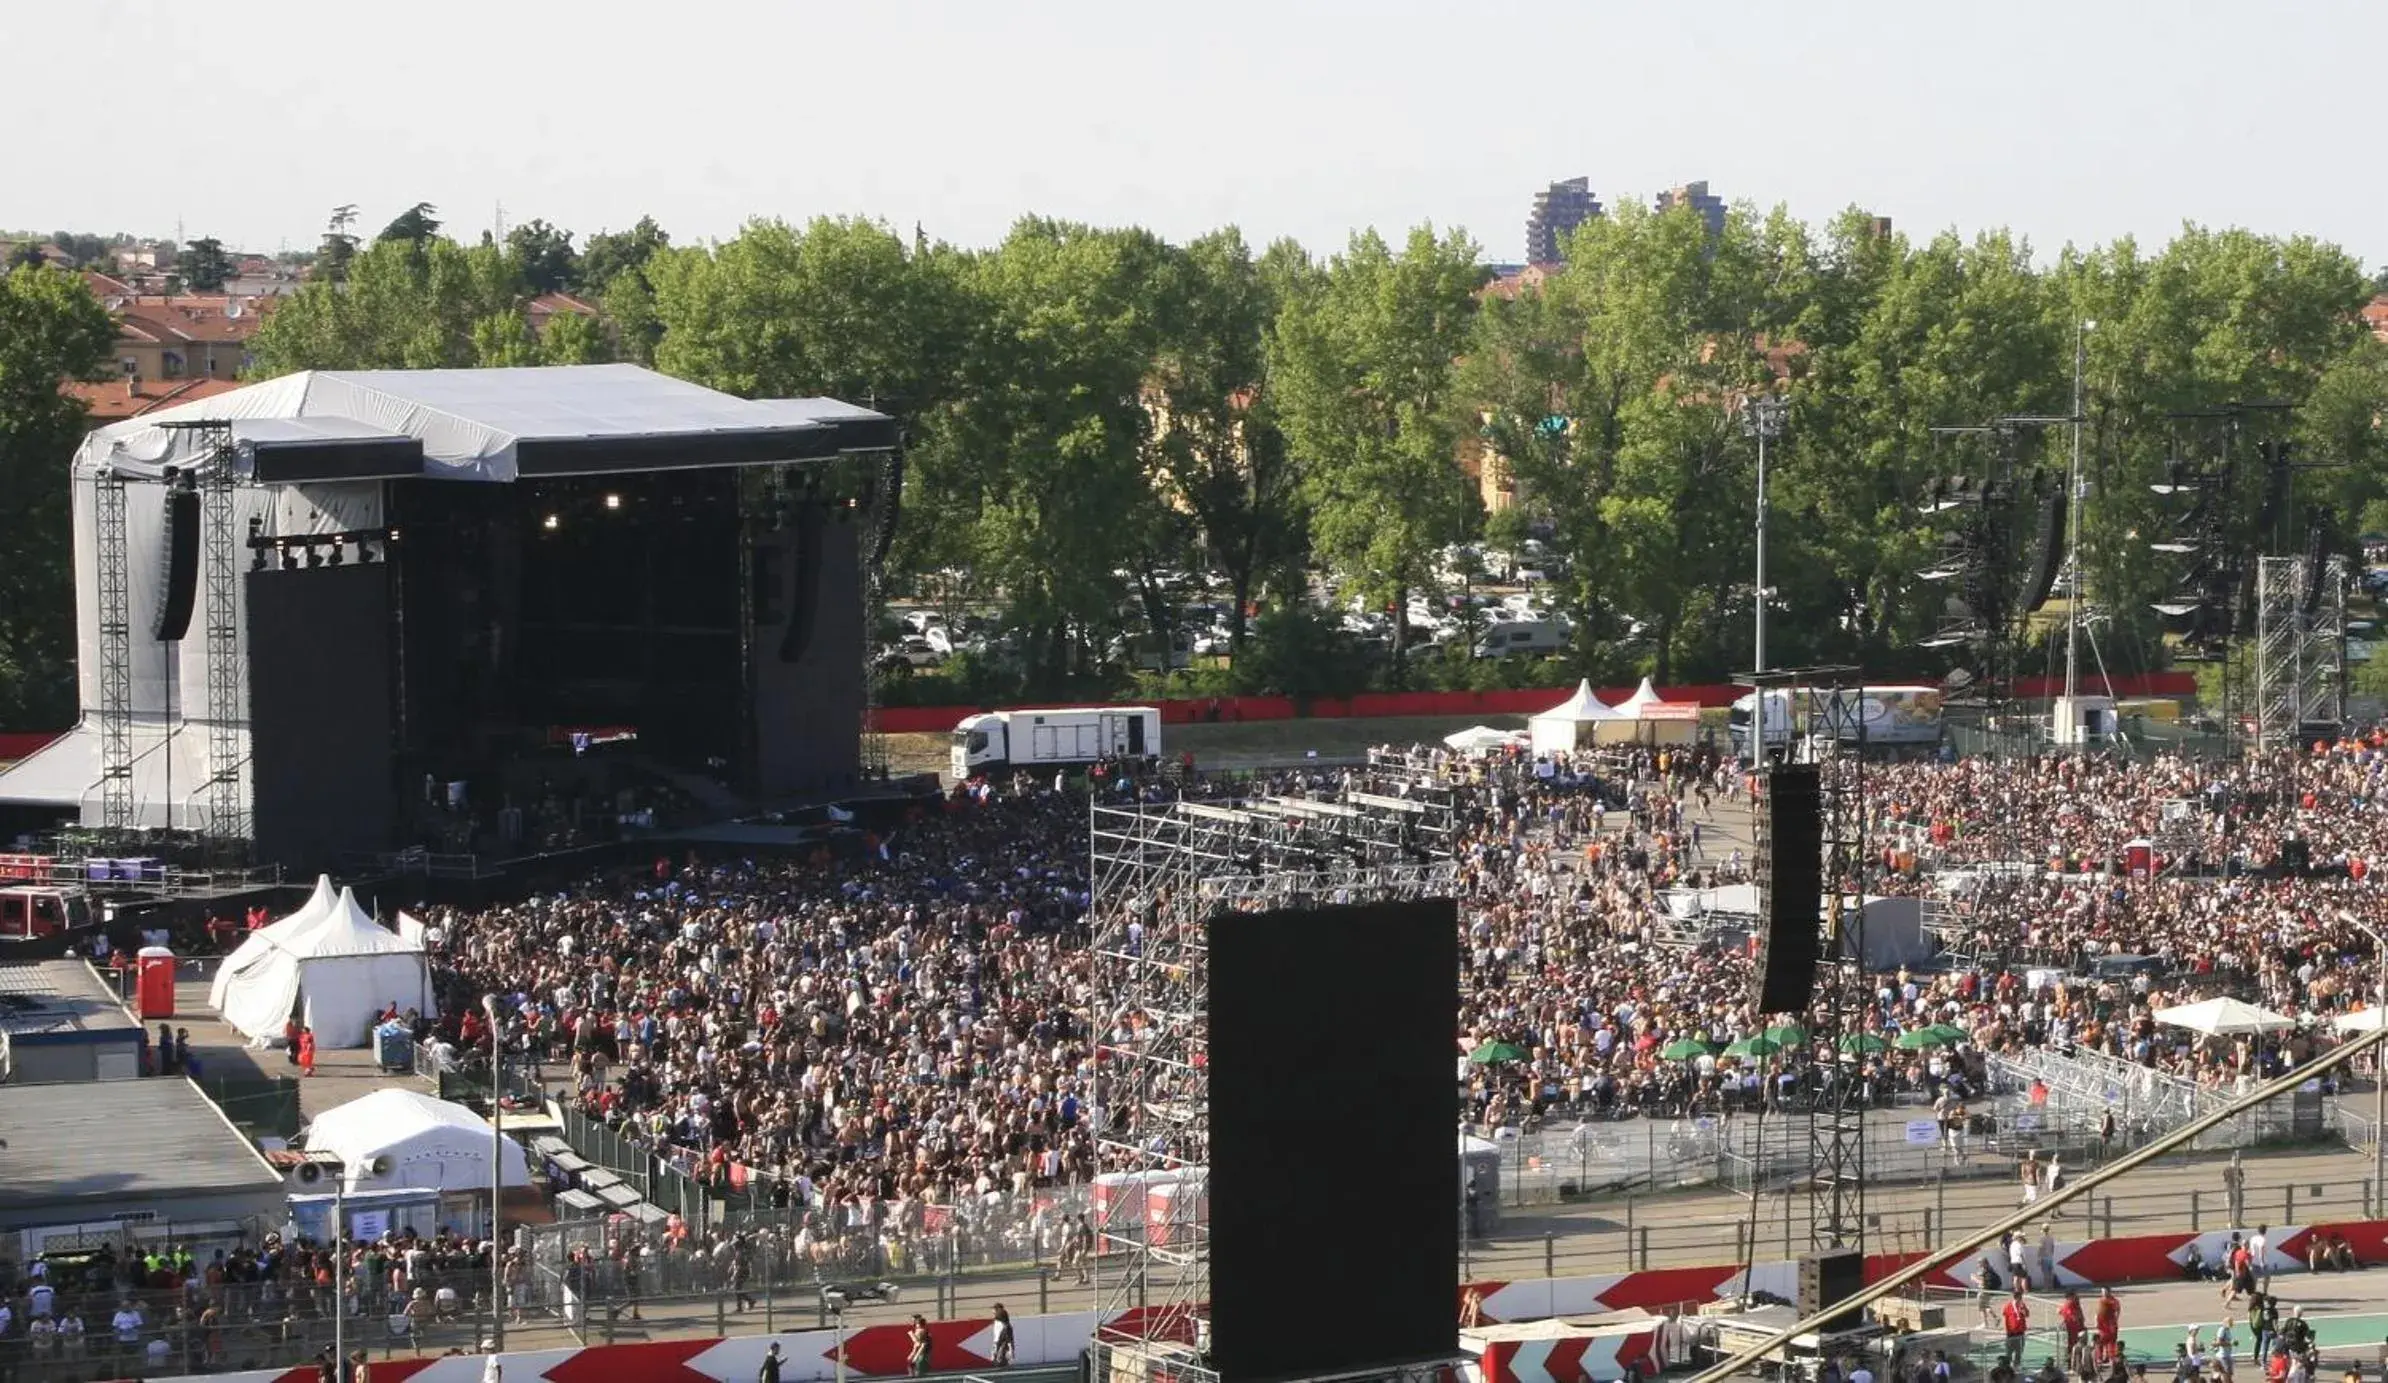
887,493
227,702
1827,730
1160,873
2300,647
115,652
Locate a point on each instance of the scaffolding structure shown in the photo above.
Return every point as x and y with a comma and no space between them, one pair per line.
1828,731
114,563
1161,872
2300,647
227,705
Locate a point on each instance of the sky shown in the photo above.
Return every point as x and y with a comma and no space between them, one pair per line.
2068,122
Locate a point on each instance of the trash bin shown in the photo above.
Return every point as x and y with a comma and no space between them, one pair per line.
393,1047
154,991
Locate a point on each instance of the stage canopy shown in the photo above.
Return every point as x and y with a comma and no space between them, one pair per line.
496,425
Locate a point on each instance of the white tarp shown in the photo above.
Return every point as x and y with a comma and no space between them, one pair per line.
468,421
1555,731
260,943
337,973
432,1145
2224,1018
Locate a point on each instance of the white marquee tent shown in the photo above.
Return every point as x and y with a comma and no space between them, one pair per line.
1561,728
2224,1018
262,941
336,971
1644,697
1482,739
431,1145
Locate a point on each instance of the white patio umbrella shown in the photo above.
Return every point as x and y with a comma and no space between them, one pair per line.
2361,1020
2224,1018
1479,739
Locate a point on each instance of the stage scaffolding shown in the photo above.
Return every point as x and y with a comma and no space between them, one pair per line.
1160,872
2300,648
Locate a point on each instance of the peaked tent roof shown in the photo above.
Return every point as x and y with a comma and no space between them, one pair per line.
256,944
444,1141
1581,705
346,929
494,425
1643,695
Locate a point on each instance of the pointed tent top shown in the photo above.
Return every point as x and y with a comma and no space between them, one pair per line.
1643,695
318,906
1581,705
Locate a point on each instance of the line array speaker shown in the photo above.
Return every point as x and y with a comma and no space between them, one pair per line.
1793,885
178,569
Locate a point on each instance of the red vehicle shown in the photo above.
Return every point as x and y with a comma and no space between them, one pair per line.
29,912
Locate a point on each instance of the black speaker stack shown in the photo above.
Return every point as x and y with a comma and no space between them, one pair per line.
1792,882
1829,1276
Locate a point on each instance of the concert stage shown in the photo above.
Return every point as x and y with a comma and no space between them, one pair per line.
342,613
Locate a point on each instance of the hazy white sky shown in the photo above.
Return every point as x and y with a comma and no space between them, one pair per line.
2079,121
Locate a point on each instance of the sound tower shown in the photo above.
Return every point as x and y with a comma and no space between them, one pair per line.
1828,1276
1376,984
1792,882
178,569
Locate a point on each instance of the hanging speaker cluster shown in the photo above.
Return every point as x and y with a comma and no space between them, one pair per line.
1792,882
178,560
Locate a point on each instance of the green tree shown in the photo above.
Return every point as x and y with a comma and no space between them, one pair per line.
1221,459
1363,362
24,254
339,244
51,329
403,306
203,265
570,338
611,254
415,225
549,263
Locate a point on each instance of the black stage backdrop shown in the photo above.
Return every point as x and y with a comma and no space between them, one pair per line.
1333,1139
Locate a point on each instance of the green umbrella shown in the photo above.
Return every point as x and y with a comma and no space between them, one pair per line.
1686,1049
1754,1047
1494,1053
1862,1042
1952,1032
1921,1038
1789,1034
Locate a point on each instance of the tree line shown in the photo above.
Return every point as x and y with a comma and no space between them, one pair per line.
1092,411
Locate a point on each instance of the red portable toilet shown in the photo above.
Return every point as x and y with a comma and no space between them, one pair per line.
154,993
2139,858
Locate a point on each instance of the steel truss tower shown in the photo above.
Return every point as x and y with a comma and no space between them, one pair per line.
1827,730
2300,647
227,703
1160,873
115,652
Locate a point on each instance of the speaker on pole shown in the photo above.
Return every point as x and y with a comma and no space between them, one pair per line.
178,569
1792,883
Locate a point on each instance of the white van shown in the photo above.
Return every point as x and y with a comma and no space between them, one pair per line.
1522,638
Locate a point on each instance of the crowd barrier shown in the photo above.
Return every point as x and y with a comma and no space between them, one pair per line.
902,720
967,1344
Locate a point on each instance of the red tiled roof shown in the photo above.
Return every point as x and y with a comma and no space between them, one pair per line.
2375,316
549,304
114,400
201,319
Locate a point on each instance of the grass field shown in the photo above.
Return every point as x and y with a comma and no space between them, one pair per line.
1250,743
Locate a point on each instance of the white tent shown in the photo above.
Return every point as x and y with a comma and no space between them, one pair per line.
2361,1020
256,944
1482,739
1559,729
2224,1018
1643,696
337,972
432,1145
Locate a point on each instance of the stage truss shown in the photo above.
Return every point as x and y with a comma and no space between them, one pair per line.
115,652
1836,1112
227,706
2300,648
1160,872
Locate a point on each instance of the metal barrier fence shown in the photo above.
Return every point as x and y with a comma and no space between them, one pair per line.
2080,1088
